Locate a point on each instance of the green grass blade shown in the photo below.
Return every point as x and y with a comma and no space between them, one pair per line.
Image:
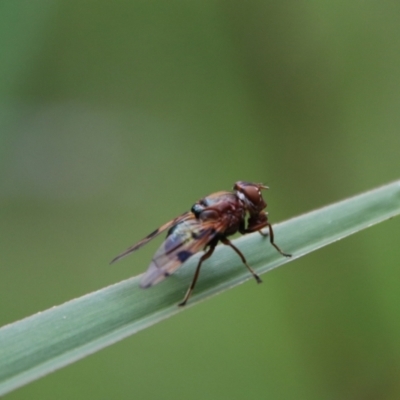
46,341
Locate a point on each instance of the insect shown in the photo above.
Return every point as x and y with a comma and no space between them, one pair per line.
210,220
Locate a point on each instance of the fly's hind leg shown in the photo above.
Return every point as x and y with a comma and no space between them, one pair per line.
239,253
206,255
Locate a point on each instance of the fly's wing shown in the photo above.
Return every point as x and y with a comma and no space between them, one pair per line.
152,235
187,238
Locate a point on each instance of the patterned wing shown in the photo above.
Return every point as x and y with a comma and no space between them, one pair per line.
185,239
152,235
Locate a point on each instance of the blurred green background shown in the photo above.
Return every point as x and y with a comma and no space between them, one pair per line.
117,116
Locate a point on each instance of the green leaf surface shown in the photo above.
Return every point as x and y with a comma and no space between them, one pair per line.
46,341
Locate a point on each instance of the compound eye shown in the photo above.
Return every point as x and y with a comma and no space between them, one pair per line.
253,194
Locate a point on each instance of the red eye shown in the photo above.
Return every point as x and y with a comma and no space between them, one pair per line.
253,194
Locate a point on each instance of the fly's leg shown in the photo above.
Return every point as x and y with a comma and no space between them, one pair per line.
271,240
196,275
256,225
239,253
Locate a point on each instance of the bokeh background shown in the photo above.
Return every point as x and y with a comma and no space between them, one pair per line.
117,116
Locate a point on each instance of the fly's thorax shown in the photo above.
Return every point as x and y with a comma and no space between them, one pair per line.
223,210
216,203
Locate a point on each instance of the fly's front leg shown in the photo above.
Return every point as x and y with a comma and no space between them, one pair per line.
256,224
271,240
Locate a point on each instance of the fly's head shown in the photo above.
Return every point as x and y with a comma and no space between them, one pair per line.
250,195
